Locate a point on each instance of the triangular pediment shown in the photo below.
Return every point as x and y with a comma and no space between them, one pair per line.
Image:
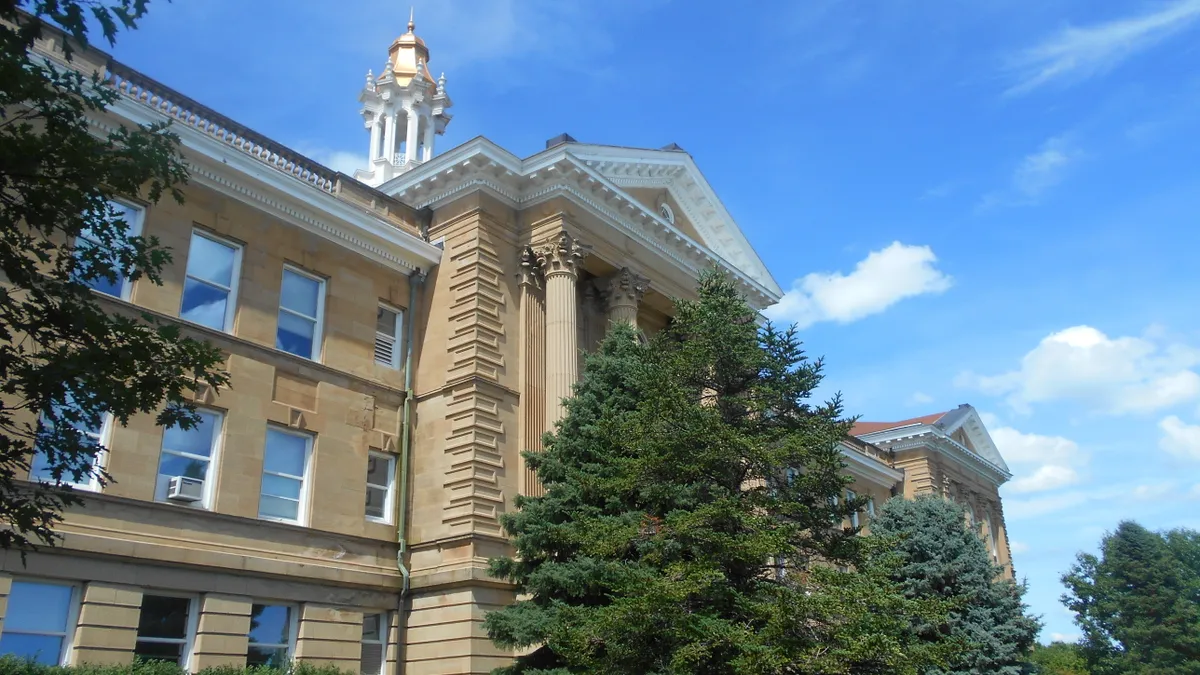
671,176
964,426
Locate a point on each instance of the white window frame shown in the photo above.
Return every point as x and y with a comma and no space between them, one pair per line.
135,229
317,346
102,439
389,501
397,340
305,480
218,444
293,628
384,628
851,495
189,638
234,277
72,615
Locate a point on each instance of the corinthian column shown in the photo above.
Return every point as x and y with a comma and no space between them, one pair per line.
533,366
560,264
625,290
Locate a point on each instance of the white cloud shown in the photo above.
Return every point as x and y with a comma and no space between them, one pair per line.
1075,54
1115,375
1152,492
1065,637
1194,493
1035,174
879,281
1018,547
920,398
1180,439
1040,506
338,160
1039,463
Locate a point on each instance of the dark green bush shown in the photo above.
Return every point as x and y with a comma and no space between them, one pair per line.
10,665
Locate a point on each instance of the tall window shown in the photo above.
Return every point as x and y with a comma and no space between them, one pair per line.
374,643
388,324
270,636
132,215
210,289
94,435
381,470
285,468
301,303
850,497
164,629
185,467
37,621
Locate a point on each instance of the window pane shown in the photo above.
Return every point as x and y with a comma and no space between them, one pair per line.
379,470
278,486
285,453
37,608
270,624
386,322
371,626
295,335
195,441
376,500
44,649
299,293
159,651
174,465
274,507
372,659
163,617
204,304
211,260
266,656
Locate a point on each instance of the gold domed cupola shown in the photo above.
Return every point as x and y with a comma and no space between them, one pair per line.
404,109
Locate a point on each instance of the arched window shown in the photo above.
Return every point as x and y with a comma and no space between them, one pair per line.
667,213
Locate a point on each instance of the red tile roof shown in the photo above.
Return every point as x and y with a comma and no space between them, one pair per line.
864,428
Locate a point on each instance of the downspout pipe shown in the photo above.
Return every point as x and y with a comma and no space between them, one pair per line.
416,281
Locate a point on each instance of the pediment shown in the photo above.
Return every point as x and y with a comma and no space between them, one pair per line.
965,427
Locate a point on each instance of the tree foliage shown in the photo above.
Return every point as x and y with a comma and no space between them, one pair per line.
1058,658
941,557
690,524
1138,602
68,355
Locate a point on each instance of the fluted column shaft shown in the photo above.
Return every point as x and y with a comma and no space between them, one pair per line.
533,368
560,263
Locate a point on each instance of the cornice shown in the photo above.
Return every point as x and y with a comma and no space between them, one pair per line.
926,436
310,205
866,467
481,165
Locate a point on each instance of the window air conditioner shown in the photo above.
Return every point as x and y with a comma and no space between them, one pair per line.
184,489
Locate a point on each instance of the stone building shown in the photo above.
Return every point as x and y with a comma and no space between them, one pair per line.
394,340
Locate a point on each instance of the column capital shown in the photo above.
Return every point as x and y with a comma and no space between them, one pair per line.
529,272
626,288
561,255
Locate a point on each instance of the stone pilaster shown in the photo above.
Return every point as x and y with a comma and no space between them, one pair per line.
5,589
330,636
560,261
107,628
624,293
222,633
533,364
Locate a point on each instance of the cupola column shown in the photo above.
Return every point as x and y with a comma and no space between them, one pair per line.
430,131
376,132
560,260
411,138
389,135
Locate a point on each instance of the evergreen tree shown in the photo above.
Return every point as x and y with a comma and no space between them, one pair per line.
942,557
688,524
1139,602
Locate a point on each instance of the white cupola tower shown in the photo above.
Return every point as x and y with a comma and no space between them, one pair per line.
404,109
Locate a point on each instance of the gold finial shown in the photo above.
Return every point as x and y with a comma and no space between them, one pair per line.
411,26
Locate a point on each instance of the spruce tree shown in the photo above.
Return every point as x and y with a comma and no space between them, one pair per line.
1138,603
941,557
690,524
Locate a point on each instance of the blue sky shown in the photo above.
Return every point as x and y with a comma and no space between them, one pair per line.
990,202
